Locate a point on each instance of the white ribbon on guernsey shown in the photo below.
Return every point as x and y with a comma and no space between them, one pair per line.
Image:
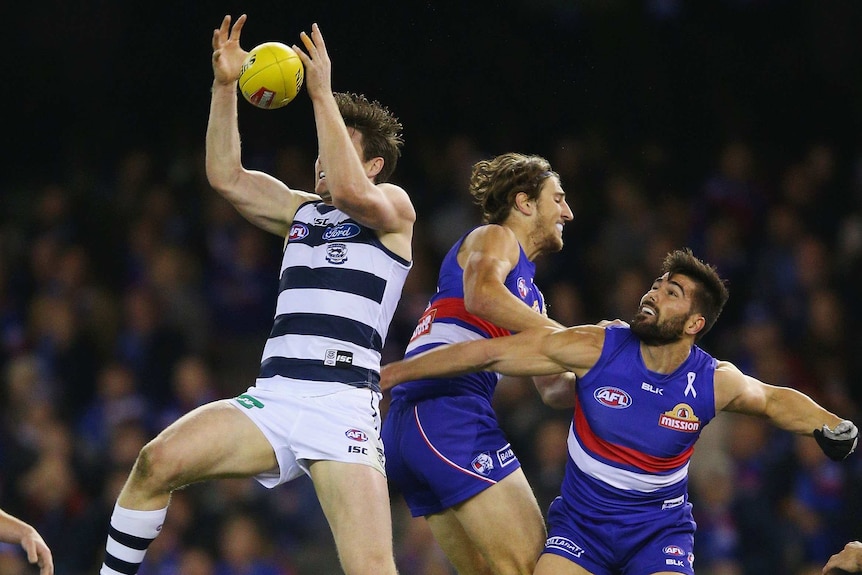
621,478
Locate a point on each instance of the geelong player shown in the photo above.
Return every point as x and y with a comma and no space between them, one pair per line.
314,406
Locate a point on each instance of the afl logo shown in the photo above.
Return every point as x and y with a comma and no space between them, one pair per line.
612,397
522,287
297,232
356,435
674,550
341,232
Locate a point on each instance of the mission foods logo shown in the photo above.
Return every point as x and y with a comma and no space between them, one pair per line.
680,418
612,397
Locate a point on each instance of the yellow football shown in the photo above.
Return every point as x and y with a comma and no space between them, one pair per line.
271,75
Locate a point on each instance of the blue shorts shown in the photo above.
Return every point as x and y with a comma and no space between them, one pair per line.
625,542
442,451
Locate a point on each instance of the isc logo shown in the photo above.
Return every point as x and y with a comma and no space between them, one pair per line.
612,397
338,358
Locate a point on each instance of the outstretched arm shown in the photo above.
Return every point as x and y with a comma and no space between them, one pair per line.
786,408
537,351
384,207
263,200
13,530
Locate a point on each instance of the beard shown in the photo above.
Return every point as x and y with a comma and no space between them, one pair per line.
548,241
658,332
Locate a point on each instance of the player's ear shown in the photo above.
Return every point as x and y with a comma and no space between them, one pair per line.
523,203
374,166
695,325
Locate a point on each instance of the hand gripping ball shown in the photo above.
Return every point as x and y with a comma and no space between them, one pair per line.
271,75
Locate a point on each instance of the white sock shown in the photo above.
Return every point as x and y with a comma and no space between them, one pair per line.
130,534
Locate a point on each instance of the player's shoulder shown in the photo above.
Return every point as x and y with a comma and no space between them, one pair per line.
400,199
496,235
727,374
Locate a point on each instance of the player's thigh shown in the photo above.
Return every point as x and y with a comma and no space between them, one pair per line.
355,499
456,544
212,441
550,564
504,522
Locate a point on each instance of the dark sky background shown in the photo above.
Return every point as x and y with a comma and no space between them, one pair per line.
89,80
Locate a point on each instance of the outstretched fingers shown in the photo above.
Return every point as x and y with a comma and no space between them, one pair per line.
317,37
237,28
225,33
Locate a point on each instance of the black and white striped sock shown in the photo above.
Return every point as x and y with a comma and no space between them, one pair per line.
130,534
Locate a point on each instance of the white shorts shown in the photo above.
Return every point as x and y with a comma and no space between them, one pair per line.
303,427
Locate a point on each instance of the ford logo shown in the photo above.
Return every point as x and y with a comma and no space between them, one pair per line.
341,232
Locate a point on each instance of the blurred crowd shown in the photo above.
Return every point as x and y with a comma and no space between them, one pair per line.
128,298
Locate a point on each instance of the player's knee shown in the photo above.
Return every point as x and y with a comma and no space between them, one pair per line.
517,559
156,467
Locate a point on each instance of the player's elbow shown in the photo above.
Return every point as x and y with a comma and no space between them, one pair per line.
556,391
478,303
350,196
558,401
222,178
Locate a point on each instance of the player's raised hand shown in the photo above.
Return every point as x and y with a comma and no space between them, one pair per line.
228,56
318,68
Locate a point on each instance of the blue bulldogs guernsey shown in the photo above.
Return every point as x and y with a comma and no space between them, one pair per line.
634,430
631,439
338,291
446,320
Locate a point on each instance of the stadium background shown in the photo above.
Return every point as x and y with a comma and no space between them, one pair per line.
130,293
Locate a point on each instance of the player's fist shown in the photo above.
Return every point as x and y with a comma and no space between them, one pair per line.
838,443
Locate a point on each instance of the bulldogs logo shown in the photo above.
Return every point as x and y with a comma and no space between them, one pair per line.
482,464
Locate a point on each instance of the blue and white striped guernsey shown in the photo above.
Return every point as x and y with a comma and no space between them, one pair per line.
338,291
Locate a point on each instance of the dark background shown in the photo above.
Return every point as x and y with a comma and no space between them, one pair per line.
90,79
